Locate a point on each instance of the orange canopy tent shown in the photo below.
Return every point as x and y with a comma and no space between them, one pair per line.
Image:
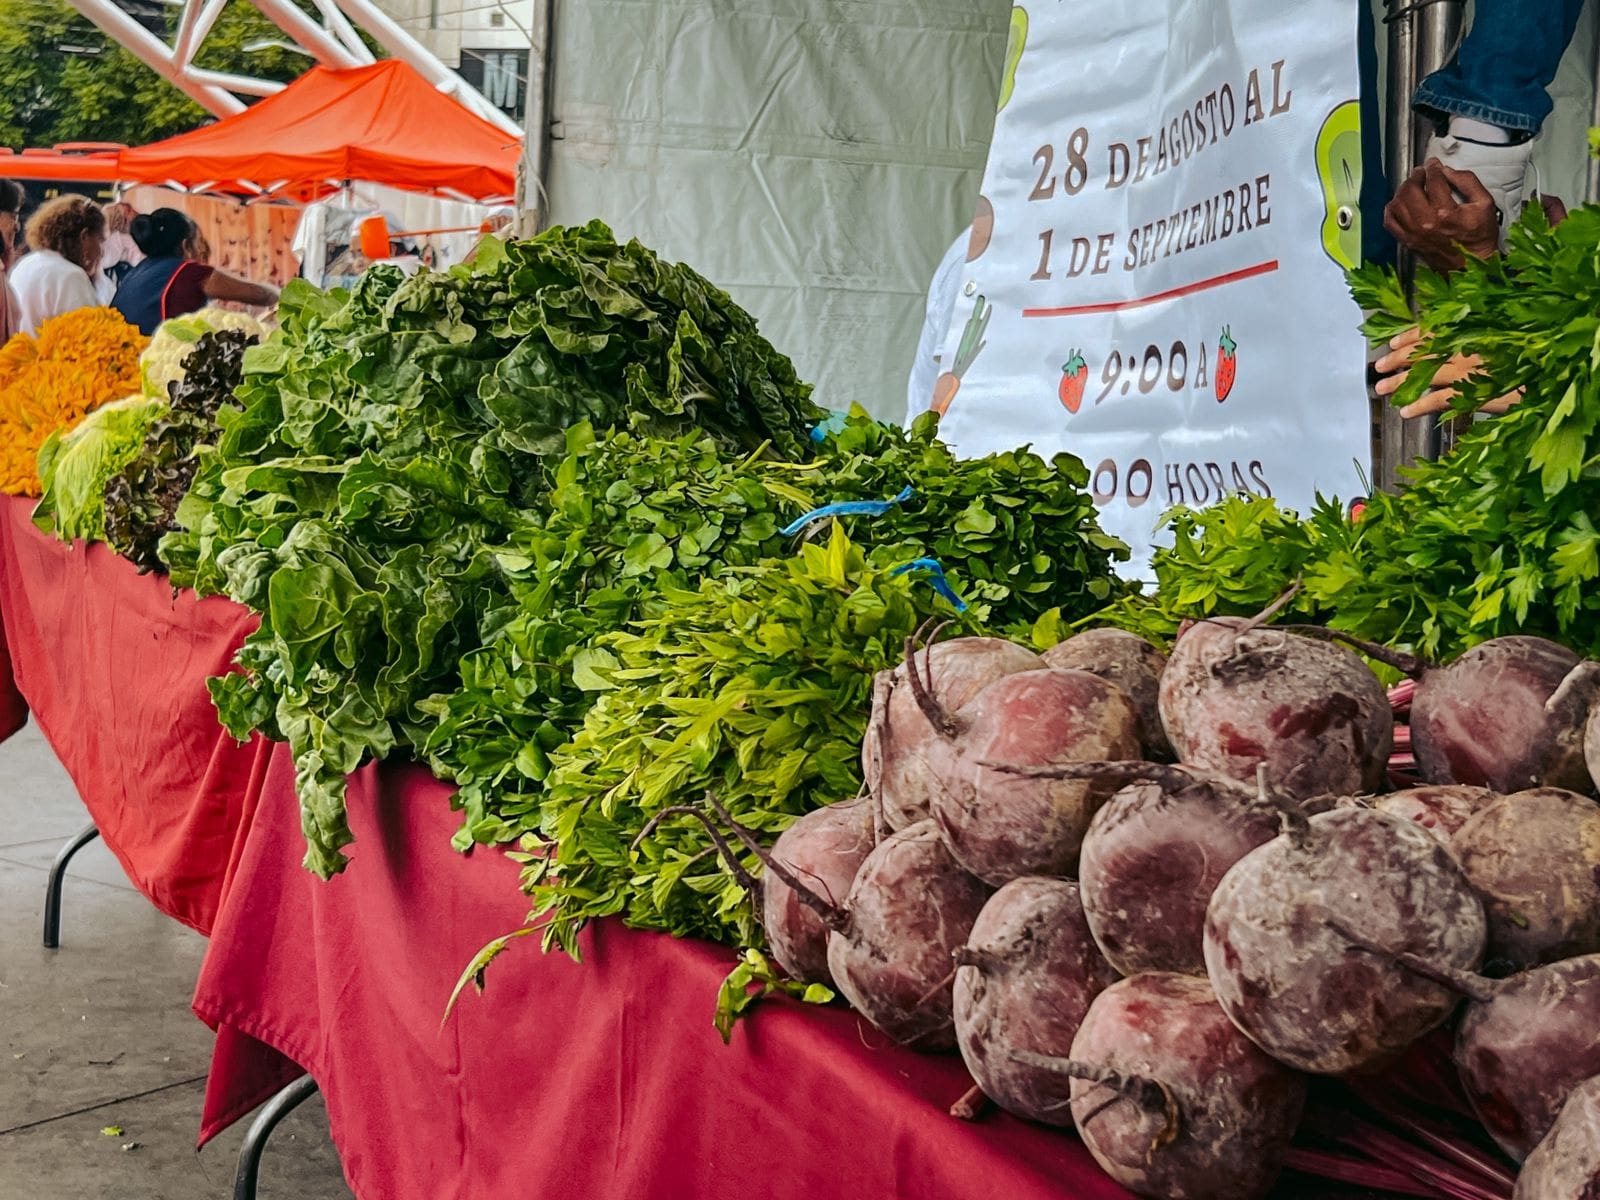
95,167
381,124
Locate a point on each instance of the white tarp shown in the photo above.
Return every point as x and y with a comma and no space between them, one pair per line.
814,157
1163,293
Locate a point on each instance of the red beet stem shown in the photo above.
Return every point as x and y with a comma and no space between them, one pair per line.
944,722
1463,983
972,1105
1357,1172
1408,664
831,915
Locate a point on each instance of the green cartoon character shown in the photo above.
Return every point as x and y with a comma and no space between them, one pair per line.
1339,168
1016,41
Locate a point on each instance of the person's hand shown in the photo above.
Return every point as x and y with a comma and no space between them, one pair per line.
1555,211
1395,366
1426,217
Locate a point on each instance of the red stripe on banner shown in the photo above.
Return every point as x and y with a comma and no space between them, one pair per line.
1187,290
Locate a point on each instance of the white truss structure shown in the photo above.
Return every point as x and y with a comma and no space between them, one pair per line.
333,42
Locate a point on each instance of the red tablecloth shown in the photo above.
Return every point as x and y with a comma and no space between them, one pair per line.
113,666
597,1080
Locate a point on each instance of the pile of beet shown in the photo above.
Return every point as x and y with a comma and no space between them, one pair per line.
1161,902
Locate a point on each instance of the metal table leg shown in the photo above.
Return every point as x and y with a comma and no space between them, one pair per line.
255,1140
52,890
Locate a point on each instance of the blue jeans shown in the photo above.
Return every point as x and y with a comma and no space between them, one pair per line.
1502,71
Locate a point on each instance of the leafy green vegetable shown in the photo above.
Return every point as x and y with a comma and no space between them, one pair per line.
1497,538
166,359
752,980
75,466
390,437
141,500
754,685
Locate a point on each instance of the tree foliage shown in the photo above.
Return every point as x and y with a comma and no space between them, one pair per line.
65,81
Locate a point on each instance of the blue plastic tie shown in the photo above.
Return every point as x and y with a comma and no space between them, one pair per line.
845,508
829,425
936,579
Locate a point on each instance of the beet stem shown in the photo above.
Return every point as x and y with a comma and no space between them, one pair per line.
981,960
1408,664
834,917
1580,676
1270,611
737,868
942,720
1167,775
1463,983
1149,1094
972,1105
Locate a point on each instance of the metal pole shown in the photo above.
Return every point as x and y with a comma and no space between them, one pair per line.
535,172
394,38
1594,111
153,52
303,31
1420,41
53,882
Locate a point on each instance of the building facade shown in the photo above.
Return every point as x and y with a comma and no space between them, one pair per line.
487,41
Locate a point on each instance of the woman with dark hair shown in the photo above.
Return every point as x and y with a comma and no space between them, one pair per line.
10,223
170,282
65,239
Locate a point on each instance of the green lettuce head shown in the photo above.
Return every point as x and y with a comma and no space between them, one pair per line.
75,466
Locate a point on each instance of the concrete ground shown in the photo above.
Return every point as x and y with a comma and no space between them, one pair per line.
102,1065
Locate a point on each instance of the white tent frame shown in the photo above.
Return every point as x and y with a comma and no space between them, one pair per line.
333,42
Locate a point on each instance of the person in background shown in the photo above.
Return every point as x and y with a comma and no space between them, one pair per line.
121,253
65,239
10,226
1492,98
170,282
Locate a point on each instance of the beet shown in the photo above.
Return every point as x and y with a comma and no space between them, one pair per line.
892,756
1153,856
891,943
1509,714
1002,826
825,848
910,909
1131,663
1534,859
1440,808
1236,696
1529,1041
1566,1165
1170,1099
1294,985
1028,974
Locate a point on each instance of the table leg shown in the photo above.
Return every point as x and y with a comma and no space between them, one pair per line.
52,889
255,1140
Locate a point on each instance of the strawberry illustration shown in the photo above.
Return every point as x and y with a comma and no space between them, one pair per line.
1074,376
1227,364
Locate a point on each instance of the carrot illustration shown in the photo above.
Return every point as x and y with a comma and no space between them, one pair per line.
971,345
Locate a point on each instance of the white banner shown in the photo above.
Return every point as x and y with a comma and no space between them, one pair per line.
1155,280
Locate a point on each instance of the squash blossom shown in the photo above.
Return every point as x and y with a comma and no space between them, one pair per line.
78,362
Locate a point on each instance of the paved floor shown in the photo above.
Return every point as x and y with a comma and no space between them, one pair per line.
102,1065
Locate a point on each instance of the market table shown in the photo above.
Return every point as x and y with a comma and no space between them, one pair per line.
113,667
596,1080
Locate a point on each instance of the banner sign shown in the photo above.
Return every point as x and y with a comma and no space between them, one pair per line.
1155,275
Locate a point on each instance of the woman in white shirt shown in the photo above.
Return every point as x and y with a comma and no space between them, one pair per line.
65,239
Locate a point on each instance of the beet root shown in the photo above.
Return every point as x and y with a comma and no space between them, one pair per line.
1029,972
1534,858
1294,984
893,752
1230,1111
825,848
1509,714
910,908
1131,663
1440,808
1532,1039
1235,697
1003,826
1152,858
1566,1165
